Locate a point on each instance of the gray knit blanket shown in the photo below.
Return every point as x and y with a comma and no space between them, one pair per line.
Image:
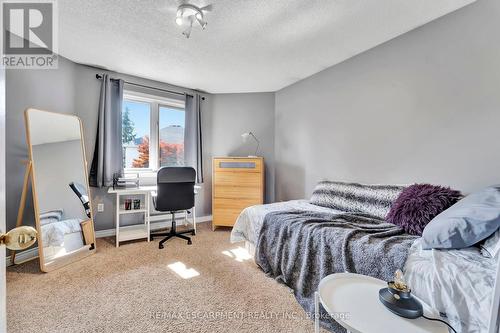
375,200
300,248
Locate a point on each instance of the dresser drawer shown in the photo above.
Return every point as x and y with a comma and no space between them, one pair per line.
238,192
238,185
226,211
238,165
248,179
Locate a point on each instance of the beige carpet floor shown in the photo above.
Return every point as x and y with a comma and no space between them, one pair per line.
133,289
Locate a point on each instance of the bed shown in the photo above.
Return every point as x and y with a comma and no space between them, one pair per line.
248,225
430,273
60,235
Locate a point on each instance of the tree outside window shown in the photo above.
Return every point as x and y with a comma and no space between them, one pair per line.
136,120
148,124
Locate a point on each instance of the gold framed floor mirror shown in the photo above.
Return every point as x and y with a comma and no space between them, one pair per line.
58,173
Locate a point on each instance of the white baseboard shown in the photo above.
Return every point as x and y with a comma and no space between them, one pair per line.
154,225
33,252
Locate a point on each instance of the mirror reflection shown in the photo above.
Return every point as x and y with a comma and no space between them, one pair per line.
60,189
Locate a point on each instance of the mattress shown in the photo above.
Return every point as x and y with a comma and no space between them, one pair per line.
72,242
458,283
53,233
247,226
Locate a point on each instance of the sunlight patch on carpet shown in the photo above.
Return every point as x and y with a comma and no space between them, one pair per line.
239,254
180,269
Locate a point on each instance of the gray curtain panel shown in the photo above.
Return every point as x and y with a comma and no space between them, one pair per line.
192,136
108,153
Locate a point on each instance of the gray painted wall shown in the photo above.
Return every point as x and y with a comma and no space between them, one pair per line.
52,90
234,114
73,88
424,107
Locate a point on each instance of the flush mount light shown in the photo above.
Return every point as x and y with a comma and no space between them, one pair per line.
187,14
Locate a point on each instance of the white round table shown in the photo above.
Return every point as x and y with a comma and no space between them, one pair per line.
353,301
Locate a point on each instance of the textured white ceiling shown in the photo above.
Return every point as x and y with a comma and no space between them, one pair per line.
248,46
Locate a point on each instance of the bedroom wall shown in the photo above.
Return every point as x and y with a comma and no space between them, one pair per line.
424,107
42,89
73,88
234,114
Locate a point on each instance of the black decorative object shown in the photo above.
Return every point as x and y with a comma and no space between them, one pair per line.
137,203
398,299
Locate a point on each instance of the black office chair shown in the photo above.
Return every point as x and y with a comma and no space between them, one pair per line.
175,193
81,193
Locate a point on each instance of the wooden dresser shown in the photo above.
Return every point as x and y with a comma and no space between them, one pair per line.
237,183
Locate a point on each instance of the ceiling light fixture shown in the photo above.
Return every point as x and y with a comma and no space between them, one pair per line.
187,14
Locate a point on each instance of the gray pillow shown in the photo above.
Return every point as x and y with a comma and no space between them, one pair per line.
469,221
51,216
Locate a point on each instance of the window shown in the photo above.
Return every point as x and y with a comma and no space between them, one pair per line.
136,129
152,132
171,136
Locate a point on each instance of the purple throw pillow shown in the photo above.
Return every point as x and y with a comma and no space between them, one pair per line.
418,204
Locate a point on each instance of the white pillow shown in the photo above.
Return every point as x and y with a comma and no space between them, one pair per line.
491,246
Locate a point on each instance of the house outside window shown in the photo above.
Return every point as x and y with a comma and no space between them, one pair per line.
152,132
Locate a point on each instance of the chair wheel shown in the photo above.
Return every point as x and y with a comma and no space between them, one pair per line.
193,233
160,246
189,242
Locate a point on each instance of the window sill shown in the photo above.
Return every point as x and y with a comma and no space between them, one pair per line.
138,171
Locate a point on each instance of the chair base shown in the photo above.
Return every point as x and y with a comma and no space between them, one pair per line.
173,233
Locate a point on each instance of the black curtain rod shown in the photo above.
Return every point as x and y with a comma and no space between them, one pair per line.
99,76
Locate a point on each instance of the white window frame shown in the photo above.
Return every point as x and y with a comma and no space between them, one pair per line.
154,127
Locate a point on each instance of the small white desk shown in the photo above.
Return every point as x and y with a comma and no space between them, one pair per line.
353,301
136,231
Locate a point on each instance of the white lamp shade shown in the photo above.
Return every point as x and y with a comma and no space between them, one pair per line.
245,135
